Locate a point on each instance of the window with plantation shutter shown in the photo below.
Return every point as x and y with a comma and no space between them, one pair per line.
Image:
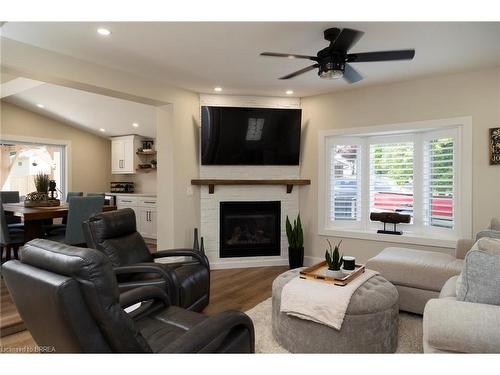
391,177
439,182
345,186
420,169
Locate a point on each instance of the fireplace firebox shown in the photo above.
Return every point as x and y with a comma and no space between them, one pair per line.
250,229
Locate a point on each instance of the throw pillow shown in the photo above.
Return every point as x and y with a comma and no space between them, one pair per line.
490,245
480,276
495,224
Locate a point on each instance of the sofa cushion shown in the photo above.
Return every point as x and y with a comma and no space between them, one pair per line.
490,245
495,224
449,290
481,274
416,268
488,233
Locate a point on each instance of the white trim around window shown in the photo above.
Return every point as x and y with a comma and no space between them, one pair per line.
421,132
67,175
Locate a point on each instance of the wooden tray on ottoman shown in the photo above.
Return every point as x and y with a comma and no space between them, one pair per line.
317,272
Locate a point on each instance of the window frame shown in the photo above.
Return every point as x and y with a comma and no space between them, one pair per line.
65,145
419,131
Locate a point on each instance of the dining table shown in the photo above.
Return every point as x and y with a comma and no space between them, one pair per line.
34,217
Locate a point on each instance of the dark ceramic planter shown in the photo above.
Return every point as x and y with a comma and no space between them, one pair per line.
296,257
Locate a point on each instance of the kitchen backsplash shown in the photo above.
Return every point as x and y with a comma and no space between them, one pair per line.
144,182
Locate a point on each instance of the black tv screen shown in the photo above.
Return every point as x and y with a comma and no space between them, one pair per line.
250,136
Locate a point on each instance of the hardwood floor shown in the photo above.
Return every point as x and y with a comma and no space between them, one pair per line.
10,321
238,289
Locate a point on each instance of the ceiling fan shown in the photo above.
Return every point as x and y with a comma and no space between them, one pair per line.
334,61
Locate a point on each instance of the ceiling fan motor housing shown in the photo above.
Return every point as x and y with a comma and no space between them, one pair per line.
329,60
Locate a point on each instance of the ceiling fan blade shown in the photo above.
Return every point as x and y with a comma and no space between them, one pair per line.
351,75
347,39
405,54
289,55
299,72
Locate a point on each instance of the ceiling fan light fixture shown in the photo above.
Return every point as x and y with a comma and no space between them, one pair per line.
331,74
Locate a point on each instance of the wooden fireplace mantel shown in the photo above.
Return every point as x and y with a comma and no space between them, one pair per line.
289,183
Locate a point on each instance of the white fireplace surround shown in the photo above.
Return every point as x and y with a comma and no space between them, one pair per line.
210,203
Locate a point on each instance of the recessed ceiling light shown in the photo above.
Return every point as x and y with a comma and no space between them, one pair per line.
217,89
102,130
40,106
289,92
103,31
135,125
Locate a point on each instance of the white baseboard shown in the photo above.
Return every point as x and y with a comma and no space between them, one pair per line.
248,263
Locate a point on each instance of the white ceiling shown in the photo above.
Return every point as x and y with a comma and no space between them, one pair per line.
198,56
88,111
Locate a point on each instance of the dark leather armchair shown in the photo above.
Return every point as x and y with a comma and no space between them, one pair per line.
68,299
114,233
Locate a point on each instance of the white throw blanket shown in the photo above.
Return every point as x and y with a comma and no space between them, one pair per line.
318,301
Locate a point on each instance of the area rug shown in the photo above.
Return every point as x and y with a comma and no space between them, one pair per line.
409,336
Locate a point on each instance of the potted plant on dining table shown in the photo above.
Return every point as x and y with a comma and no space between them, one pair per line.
40,197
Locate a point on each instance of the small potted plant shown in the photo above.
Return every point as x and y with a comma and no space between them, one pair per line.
295,243
334,260
42,181
153,163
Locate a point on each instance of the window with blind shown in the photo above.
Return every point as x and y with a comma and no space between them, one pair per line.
439,182
391,177
411,173
345,187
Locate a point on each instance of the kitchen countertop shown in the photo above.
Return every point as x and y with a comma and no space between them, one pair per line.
132,194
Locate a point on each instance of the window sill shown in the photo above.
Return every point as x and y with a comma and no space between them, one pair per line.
408,238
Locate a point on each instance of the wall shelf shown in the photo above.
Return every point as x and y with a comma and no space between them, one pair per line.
146,170
289,183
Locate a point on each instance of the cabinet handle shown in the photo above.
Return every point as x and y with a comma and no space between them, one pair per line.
149,202
126,201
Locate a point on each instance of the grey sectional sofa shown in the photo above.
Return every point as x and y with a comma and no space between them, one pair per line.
418,275
466,316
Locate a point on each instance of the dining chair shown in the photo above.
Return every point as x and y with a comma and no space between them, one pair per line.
95,195
10,238
72,194
51,228
80,209
11,197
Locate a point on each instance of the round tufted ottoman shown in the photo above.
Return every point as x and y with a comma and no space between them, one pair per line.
370,324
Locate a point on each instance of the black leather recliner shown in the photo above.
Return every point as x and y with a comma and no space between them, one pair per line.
68,299
114,233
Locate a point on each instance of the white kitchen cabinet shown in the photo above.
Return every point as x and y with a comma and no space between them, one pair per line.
123,154
147,222
145,213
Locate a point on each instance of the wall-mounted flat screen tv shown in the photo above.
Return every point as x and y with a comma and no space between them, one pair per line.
250,136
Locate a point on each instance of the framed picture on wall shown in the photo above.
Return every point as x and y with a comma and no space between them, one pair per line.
495,146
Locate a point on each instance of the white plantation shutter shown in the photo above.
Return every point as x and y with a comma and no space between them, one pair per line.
417,173
439,182
391,177
345,182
